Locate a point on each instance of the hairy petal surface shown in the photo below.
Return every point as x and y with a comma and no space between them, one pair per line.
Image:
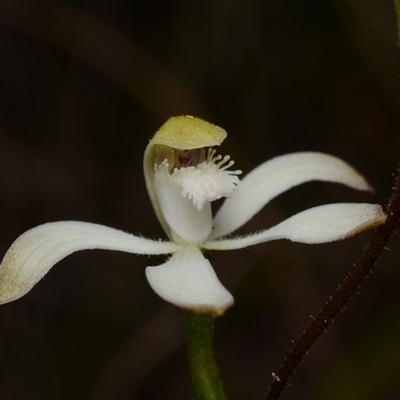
33,254
188,281
321,224
275,177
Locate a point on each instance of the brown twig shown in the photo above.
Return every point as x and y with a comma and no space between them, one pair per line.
344,292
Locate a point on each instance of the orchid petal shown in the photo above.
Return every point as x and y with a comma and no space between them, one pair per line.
188,281
275,177
184,219
321,224
33,254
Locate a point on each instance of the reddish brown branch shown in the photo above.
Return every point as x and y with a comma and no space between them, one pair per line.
344,292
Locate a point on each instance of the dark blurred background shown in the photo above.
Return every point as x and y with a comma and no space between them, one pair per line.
84,85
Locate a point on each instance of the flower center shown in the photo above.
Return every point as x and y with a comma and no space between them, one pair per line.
208,181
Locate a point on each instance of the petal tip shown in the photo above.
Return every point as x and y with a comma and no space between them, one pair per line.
378,217
212,311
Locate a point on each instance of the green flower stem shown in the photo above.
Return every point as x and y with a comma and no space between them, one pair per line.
206,382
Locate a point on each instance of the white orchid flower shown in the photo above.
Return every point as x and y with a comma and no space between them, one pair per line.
183,179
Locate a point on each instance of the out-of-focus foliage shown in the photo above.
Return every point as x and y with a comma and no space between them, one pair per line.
83,85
